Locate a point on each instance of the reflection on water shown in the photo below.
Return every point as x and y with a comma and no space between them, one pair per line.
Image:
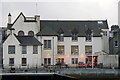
53,77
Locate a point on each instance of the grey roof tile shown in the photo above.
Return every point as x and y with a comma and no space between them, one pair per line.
51,27
28,40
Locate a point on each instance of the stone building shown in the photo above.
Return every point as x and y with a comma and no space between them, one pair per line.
34,42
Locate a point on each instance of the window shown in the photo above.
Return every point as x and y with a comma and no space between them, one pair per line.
60,49
11,49
24,61
116,43
30,33
105,33
88,38
11,61
74,37
20,33
47,61
74,50
60,37
60,60
24,49
88,50
74,60
47,44
35,49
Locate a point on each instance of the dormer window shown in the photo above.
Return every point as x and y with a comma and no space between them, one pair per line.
20,33
74,34
88,35
60,36
74,37
30,33
88,38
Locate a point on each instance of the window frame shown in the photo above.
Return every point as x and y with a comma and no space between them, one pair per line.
24,51
73,47
35,49
74,60
60,37
24,63
11,51
116,43
10,61
19,33
29,33
59,51
88,38
47,44
88,52
60,60
74,37
47,61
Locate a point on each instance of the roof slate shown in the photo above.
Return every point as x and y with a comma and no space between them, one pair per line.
52,27
28,40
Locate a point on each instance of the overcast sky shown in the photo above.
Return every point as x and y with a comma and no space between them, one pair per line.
61,9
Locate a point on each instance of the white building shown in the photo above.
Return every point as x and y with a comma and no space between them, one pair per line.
33,42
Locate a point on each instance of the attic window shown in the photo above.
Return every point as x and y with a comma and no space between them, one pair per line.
74,34
20,33
30,33
100,22
60,36
88,35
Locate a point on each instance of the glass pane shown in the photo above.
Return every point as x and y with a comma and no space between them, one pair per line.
11,49
35,49
24,49
24,61
49,43
45,43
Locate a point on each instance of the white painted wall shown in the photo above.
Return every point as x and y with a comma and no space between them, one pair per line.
96,47
108,60
25,26
32,59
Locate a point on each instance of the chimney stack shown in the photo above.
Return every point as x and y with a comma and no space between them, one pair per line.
37,18
9,18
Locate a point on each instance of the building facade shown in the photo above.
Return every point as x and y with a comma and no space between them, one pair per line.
2,38
34,42
114,41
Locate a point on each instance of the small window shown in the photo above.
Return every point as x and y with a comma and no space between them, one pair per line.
47,44
24,61
105,33
20,33
35,49
11,61
24,49
74,60
60,49
60,60
47,61
74,50
74,37
88,50
116,43
60,37
11,49
88,38
30,33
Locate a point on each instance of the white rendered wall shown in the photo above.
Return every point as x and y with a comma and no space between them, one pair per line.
32,59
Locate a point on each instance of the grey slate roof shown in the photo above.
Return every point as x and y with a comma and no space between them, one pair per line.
51,27
28,40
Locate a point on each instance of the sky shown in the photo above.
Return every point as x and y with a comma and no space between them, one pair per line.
61,10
